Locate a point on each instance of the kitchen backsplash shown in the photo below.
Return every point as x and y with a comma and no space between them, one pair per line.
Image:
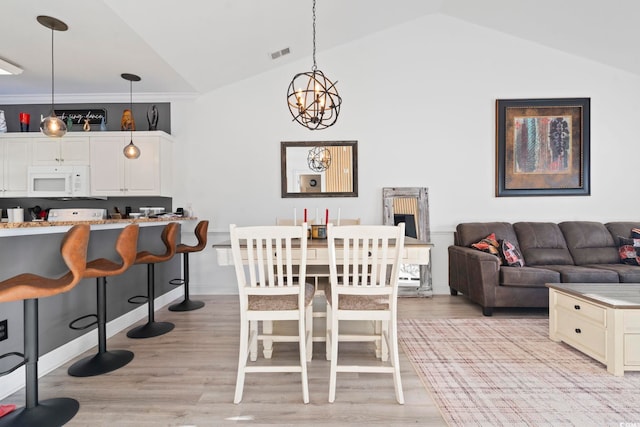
121,203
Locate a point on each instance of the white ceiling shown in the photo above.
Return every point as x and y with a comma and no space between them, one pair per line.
191,47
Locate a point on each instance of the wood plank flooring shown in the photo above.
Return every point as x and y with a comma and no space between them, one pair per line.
187,377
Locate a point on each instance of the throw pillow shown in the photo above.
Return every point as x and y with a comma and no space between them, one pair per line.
629,250
489,244
635,233
510,254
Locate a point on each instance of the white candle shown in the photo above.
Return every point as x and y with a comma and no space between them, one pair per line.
295,215
338,221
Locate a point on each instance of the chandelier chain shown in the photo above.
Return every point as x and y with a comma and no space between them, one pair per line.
315,67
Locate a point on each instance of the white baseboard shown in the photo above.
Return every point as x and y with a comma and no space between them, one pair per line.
61,355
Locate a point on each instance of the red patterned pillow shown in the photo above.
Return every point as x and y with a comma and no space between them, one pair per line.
629,249
510,254
489,244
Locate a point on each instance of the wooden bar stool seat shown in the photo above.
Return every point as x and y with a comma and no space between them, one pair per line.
29,288
201,234
106,361
153,328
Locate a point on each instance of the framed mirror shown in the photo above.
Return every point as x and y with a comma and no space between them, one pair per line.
411,206
319,168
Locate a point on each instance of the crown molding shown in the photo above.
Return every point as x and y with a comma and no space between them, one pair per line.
89,98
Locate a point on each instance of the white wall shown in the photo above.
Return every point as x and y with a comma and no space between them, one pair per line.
419,99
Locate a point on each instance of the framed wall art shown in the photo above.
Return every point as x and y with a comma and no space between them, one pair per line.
542,147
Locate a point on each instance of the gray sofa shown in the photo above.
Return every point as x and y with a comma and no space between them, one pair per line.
567,252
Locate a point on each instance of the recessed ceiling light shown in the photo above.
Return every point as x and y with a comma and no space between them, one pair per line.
6,68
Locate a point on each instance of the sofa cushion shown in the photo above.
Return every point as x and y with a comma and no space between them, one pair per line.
589,242
471,232
583,274
542,243
621,228
626,273
527,277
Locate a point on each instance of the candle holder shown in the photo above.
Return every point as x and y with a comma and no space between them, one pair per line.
319,231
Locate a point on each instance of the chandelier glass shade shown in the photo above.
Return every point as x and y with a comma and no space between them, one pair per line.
131,151
52,125
312,98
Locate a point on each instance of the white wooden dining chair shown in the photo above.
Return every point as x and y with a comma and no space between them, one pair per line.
319,276
270,288
364,268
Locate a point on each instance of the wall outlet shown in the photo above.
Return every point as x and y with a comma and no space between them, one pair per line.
4,331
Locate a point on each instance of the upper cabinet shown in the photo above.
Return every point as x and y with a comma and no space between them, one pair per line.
112,174
15,156
70,150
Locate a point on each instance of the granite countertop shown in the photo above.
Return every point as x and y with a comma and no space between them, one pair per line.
37,224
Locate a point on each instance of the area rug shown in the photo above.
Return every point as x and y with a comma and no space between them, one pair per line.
506,372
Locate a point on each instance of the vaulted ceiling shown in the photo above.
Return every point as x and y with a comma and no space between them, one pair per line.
195,46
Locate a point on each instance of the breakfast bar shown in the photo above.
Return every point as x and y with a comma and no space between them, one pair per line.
34,247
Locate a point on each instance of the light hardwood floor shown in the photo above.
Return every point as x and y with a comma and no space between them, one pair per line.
187,377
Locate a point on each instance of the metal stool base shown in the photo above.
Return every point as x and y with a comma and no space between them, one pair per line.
151,329
100,363
47,413
186,305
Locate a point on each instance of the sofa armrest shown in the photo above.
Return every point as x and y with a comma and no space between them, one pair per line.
474,273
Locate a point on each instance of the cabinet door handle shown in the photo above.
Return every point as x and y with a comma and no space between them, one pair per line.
577,307
578,331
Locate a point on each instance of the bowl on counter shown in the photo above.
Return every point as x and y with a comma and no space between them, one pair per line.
135,215
145,211
157,211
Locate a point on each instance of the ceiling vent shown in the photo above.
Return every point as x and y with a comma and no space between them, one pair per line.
278,53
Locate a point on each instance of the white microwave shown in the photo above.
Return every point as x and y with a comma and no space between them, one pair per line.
59,181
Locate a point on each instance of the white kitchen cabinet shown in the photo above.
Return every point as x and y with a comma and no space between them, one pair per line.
70,150
112,174
15,157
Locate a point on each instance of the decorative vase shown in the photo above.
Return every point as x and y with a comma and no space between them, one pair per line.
3,122
69,124
103,125
127,122
86,127
152,117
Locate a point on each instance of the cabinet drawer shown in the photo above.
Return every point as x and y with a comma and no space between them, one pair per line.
632,349
582,334
582,308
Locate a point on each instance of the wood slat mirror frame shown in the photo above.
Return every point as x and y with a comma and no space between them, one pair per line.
423,229
310,144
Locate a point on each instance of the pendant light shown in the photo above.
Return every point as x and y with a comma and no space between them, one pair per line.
312,98
131,151
52,125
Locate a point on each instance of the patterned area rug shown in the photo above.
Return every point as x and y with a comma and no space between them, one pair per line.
506,372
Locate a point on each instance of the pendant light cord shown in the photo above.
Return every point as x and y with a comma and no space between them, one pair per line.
131,109
52,72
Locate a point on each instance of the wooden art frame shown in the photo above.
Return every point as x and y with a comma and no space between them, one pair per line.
543,147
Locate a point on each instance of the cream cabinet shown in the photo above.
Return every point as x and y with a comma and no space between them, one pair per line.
15,157
112,174
70,150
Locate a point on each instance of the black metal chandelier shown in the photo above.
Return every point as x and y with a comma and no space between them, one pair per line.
319,159
313,99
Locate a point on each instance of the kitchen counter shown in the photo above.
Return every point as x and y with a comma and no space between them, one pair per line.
46,227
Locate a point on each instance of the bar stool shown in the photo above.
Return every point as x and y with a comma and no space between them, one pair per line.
106,361
153,328
201,234
29,288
